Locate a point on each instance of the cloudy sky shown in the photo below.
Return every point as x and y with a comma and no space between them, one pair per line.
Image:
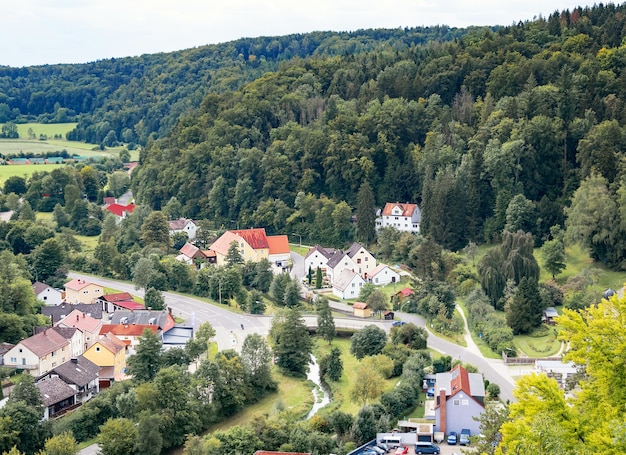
37,32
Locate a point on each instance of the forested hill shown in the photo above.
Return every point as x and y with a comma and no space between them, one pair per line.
139,97
494,130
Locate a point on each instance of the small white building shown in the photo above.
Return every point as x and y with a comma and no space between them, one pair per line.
348,284
339,262
403,217
317,256
183,225
382,275
47,294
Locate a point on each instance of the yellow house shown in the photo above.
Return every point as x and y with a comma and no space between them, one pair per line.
109,353
252,244
40,353
81,291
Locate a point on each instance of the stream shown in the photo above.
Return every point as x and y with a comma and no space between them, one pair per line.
320,394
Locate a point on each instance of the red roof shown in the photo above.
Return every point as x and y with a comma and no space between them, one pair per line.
77,284
255,237
360,305
130,305
130,330
406,292
407,209
121,297
119,210
278,244
190,250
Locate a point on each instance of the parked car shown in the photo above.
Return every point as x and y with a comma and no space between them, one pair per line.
426,447
397,323
378,450
452,438
402,450
464,439
385,447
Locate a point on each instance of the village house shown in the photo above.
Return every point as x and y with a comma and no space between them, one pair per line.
39,353
90,327
253,246
129,334
120,211
339,262
73,335
82,291
47,294
58,397
120,301
459,399
280,253
56,313
348,284
183,225
192,255
317,256
403,217
382,275
363,259
80,374
109,353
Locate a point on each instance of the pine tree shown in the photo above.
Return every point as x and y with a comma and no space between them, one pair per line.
523,312
292,343
318,278
325,321
365,214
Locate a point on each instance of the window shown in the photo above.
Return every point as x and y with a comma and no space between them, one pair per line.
465,403
13,359
97,348
23,360
352,284
358,261
456,402
21,350
52,354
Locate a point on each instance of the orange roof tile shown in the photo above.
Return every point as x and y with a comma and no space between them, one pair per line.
407,209
278,244
131,330
255,237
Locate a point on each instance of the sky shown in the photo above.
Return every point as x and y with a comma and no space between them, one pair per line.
37,32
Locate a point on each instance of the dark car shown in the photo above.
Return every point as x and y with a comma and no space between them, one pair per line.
464,439
426,447
398,323
452,438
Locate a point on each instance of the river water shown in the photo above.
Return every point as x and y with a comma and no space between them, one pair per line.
320,394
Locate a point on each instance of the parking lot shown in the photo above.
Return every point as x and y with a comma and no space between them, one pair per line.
445,449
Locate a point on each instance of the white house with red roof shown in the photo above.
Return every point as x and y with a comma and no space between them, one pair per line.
459,400
82,291
121,301
279,253
403,217
119,210
39,353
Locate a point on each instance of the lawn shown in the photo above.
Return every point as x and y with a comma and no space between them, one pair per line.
24,170
47,129
301,250
541,343
294,396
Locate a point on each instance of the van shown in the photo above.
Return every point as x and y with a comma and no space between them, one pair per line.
426,447
393,442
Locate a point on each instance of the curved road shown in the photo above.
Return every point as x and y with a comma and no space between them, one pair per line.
229,334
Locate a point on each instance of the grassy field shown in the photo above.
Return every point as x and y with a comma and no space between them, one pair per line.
25,170
47,129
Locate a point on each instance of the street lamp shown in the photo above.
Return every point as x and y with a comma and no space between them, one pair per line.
295,233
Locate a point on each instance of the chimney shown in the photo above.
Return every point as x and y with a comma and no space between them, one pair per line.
442,411
83,315
74,360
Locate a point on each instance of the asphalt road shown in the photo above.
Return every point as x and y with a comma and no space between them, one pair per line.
230,335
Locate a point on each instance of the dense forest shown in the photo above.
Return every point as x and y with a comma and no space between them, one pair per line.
515,128
141,97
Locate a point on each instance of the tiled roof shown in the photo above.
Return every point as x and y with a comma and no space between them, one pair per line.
222,244
120,297
335,259
164,320
406,292
58,312
189,250
130,305
39,287
119,209
77,284
360,305
5,347
278,244
344,279
407,209
128,330
45,342
111,343
179,224
323,251
354,249
65,332
80,371
256,237
54,390
459,380
81,321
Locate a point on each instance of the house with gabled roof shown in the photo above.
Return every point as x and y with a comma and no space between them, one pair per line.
339,262
109,353
348,284
73,335
382,275
129,334
90,327
57,396
120,211
120,301
317,256
39,353
403,217
56,313
363,259
82,291
253,245
162,319
183,225
47,294
81,374
361,310
279,253
459,399
191,254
